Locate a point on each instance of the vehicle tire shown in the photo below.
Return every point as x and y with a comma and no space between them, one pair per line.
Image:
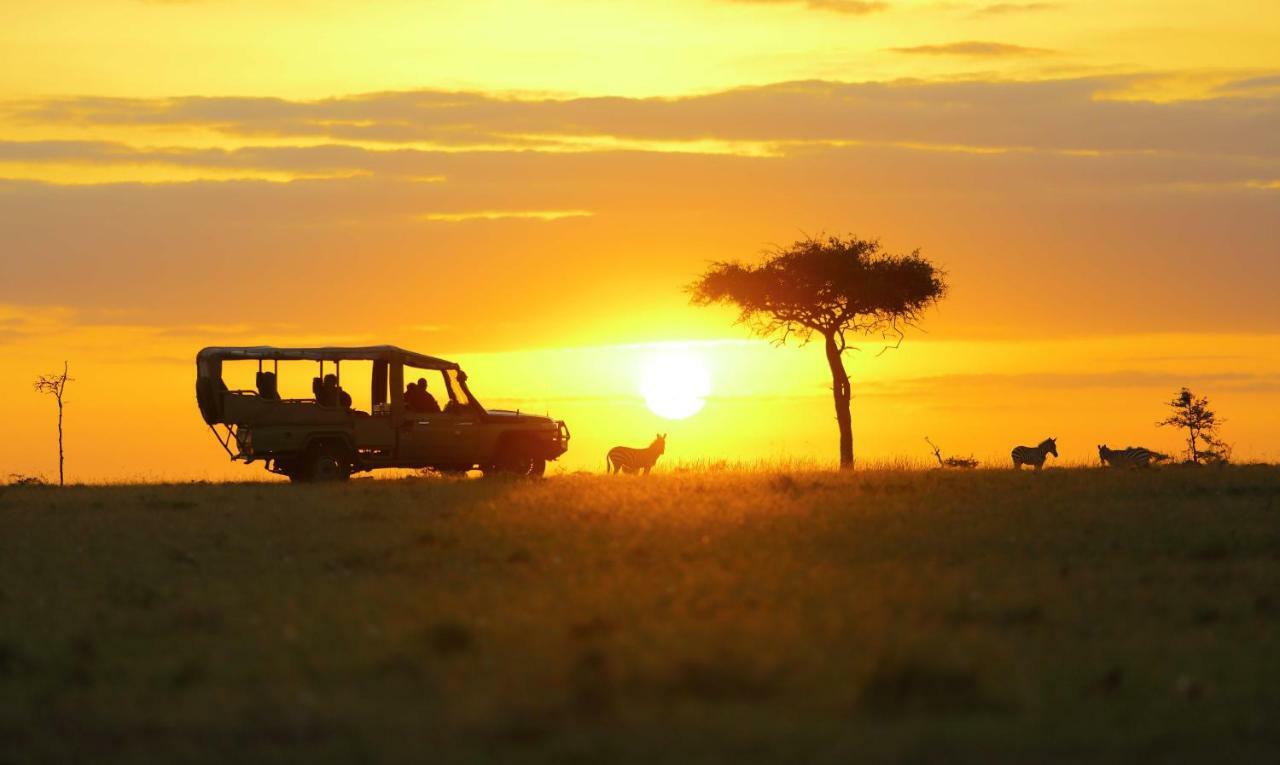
325,466
290,468
515,460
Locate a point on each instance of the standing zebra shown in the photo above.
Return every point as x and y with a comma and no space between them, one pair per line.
630,460
1034,455
1130,456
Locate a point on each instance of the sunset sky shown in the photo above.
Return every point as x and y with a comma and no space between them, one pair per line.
528,187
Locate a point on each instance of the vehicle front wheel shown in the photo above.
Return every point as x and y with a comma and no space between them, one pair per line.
516,461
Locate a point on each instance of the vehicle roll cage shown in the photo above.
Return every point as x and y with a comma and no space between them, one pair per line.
388,378
326,353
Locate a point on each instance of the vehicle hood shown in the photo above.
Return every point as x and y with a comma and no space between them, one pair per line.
511,416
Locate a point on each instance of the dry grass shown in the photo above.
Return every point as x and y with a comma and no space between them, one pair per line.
729,616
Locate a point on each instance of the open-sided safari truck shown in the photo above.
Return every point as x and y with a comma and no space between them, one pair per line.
322,437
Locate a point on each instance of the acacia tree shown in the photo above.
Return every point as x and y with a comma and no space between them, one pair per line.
831,287
1192,413
55,385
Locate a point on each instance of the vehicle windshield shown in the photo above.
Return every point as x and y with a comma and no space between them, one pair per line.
456,391
435,390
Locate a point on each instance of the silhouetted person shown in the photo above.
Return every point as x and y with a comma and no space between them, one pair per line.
331,394
327,391
418,399
267,386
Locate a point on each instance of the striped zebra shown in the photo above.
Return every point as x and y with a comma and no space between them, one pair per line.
1034,455
1130,456
630,460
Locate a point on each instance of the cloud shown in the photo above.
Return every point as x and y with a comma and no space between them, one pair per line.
1006,9
850,7
1027,191
1093,242
1057,115
484,215
973,384
1254,86
974,49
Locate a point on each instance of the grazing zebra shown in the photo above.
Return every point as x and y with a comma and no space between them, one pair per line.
1130,456
630,460
1034,455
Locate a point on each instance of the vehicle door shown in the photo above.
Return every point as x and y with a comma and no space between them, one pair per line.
441,439
427,439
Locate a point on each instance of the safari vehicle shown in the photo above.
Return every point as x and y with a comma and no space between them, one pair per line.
323,438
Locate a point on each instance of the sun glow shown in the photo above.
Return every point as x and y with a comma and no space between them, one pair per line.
675,382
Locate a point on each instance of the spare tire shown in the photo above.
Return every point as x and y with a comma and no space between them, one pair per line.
209,398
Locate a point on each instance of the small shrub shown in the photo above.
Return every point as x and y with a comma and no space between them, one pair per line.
18,479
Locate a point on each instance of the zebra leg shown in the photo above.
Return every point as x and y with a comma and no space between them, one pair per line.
647,468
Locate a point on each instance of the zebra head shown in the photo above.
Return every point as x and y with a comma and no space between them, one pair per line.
1103,453
659,444
1050,446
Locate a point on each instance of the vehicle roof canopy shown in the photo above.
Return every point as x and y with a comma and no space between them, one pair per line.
363,353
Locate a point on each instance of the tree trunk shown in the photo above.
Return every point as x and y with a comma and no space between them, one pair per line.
841,393
60,479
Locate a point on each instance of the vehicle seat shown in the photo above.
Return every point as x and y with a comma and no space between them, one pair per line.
268,386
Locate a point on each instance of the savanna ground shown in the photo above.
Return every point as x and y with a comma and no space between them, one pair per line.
905,616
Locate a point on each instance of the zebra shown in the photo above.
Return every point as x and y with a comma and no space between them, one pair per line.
1130,456
1034,455
631,460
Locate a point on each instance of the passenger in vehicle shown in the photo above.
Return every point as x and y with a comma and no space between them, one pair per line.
418,399
331,394
429,402
267,386
326,392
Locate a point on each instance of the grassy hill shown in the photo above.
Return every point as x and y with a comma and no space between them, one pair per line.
720,617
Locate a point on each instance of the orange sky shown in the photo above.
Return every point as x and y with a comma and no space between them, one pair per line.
527,187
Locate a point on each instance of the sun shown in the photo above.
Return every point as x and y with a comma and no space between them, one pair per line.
675,382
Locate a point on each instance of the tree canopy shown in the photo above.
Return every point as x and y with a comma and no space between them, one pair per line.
828,285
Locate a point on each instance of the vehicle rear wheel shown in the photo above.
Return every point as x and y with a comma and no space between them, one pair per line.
325,465
289,467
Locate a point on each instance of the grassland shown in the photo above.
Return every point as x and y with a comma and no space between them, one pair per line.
884,616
